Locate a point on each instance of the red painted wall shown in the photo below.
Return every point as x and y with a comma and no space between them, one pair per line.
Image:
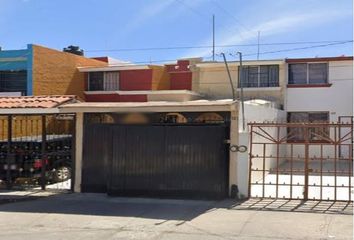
102,97
130,80
180,75
135,80
133,98
115,98
181,81
181,66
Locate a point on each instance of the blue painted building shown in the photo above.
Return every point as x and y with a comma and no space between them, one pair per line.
16,71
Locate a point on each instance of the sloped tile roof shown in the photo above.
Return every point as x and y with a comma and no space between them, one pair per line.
51,101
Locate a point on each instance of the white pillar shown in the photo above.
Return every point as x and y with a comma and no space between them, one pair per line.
243,165
78,150
233,141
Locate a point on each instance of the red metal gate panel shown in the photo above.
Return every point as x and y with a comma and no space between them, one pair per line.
301,160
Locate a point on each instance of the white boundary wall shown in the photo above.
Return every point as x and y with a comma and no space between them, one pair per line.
253,113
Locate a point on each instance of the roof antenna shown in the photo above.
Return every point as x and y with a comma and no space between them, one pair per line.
259,36
213,37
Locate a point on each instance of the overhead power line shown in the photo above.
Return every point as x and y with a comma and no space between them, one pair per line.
195,11
232,16
301,48
252,54
217,46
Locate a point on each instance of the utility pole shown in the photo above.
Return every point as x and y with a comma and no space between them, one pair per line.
228,72
259,35
241,96
213,37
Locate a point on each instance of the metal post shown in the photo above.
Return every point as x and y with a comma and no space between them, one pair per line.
44,157
73,152
8,157
213,37
277,159
321,174
230,79
306,162
350,159
264,169
335,163
291,169
241,88
250,162
259,35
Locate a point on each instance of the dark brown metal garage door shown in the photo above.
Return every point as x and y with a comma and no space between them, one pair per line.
184,161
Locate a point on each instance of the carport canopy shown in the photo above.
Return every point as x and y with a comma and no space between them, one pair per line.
188,106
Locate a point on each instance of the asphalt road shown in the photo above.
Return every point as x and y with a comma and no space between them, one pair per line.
96,216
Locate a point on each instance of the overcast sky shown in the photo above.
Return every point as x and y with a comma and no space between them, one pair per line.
112,25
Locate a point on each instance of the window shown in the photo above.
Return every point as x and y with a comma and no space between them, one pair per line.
319,133
95,81
259,76
111,81
103,81
317,73
308,73
13,81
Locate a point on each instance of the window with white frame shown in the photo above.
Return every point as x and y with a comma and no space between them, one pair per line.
259,76
308,73
103,81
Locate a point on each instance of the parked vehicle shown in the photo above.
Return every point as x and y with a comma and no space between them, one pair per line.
25,159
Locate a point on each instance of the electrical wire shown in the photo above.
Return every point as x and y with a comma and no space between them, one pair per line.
231,16
210,46
209,57
300,48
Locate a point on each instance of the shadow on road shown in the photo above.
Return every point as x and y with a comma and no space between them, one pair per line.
103,205
165,209
310,206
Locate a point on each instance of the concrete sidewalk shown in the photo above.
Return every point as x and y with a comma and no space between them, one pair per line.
96,216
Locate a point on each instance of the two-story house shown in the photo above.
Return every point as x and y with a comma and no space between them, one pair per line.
140,83
264,79
38,70
319,88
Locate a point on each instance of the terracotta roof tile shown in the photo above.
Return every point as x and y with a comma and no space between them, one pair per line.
45,101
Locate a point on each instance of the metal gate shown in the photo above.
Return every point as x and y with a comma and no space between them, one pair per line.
183,161
36,151
309,161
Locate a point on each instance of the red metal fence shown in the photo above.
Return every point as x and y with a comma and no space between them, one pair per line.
302,160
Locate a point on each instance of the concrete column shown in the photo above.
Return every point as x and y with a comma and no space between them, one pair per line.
243,165
233,141
78,151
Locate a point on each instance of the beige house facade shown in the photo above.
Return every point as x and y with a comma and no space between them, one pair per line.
265,79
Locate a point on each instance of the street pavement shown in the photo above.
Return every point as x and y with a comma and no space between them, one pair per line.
97,216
